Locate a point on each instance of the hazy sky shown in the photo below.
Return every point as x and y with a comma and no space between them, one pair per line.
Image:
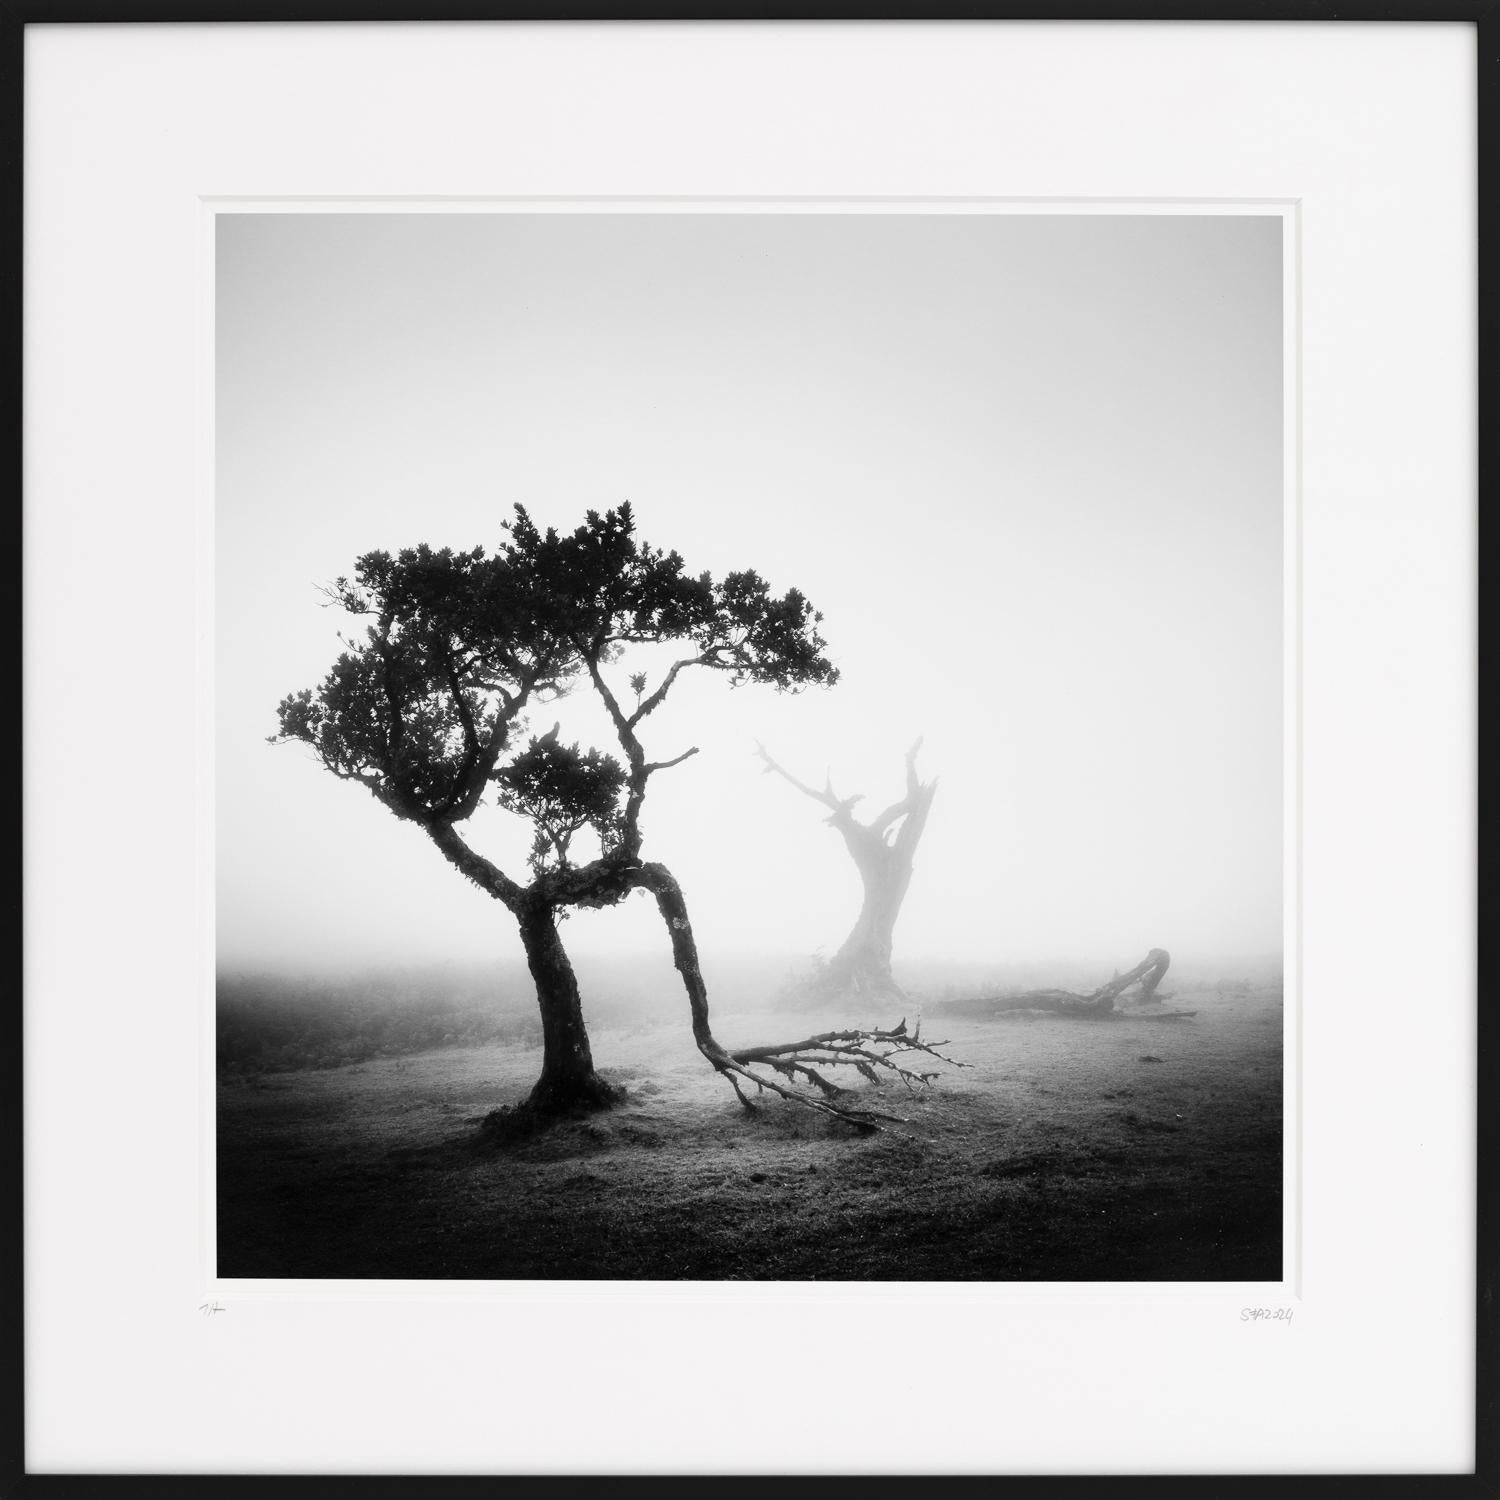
1029,467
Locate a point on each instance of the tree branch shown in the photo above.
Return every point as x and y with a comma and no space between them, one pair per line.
489,877
912,784
653,701
666,765
395,732
1099,1002
623,729
867,1050
461,779
917,799
864,1048
828,797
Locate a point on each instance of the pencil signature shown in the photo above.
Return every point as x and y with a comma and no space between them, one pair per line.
209,1309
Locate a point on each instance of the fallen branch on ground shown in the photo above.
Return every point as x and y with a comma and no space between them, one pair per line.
1099,1002
869,1050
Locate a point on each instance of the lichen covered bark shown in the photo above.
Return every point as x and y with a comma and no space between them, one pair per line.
568,1080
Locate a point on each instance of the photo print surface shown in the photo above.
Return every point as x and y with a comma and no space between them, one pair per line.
749,746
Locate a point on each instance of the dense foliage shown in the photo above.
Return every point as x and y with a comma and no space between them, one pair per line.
425,705
563,790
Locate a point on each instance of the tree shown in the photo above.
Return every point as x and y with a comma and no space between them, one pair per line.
425,709
422,710
882,850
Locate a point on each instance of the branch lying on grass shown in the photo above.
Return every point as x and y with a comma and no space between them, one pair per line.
1100,1002
869,1050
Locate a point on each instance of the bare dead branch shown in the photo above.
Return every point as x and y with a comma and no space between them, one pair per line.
666,765
1099,1002
883,849
864,1119
828,797
870,1051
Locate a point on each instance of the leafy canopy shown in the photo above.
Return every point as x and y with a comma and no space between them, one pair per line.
420,707
563,790
607,590
424,707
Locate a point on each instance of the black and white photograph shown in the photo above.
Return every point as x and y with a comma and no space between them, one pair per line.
749,745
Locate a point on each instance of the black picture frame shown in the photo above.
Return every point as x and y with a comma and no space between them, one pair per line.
17,15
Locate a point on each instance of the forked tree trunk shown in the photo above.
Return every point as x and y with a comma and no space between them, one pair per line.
568,1078
883,851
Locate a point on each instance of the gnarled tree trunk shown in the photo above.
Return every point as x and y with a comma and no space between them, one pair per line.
883,851
568,1078
863,961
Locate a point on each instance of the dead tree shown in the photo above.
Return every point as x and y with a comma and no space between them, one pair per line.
882,850
1097,1003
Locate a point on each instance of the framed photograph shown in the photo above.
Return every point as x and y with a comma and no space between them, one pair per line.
768,702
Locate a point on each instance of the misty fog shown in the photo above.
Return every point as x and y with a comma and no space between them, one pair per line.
1028,467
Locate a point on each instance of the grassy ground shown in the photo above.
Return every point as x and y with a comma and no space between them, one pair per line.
1131,1149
